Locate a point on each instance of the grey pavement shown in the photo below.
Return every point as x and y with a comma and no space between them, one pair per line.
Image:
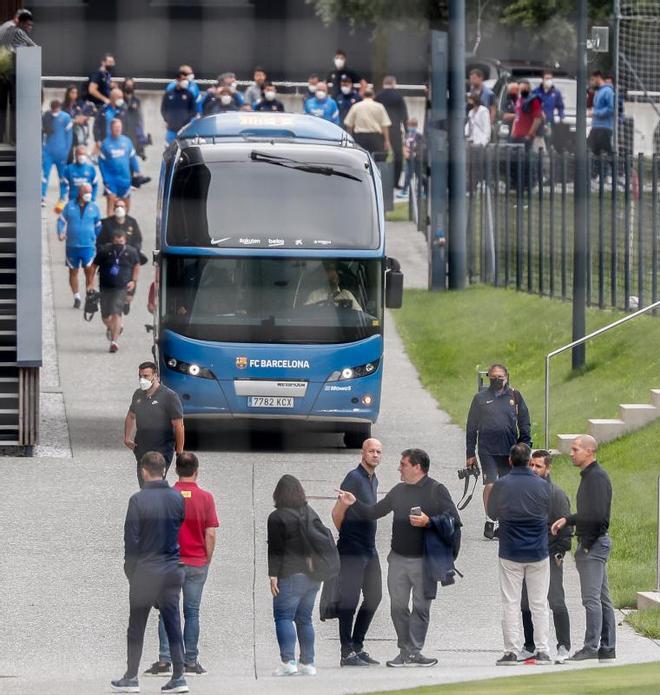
64,595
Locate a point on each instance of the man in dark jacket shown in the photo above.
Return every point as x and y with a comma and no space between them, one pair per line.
558,546
178,107
417,503
151,564
592,521
498,419
521,503
395,106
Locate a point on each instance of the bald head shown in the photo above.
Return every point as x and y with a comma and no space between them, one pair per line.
583,450
372,452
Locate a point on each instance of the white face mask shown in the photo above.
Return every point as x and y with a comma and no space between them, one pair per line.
145,384
346,90
311,87
320,94
119,103
87,197
81,159
339,63
120,213
184,84
233,86
225,100
547,84
191,77
269,96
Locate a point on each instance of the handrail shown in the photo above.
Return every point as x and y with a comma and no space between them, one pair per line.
575,343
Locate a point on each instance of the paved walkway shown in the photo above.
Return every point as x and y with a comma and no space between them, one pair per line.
65,599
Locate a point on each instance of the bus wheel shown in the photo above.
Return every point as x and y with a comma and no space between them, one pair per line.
354,438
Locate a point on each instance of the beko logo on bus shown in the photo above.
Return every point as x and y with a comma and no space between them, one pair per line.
243,362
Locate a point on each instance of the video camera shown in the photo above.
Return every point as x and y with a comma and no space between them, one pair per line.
465,474
92,300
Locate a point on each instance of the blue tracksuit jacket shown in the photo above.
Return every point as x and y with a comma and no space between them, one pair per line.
117,161
76,174
603,109
81,224
326,109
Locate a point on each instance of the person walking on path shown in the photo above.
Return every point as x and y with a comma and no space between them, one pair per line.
369,124
360,564
57,138
498,419
117,162
197,538
397,112
558,546
416,502
152,567
293,589
154,421
521,503
80,171
79,225
592,521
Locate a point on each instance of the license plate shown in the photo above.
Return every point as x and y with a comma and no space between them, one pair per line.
270,402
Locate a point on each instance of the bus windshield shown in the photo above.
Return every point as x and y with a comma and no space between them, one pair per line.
272,300
269,203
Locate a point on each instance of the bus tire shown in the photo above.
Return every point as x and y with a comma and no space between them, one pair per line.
354,437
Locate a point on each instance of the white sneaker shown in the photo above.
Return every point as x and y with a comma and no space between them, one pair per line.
286,668
562,655
307,669
524,655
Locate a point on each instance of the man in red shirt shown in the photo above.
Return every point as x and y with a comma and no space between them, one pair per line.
197,543
528,115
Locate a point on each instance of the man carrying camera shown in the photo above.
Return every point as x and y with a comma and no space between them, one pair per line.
558,546
497,420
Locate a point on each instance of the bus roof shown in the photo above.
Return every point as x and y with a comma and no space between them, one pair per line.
248,124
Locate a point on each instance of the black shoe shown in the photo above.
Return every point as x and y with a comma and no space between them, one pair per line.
420,660
352,659
76,302
127,308
542,659
125,685
399,661
583,654
489,530
509,659
195,669
159,668
175,685
606,655
367,659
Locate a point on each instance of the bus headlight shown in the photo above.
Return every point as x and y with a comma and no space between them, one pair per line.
189,369
354,372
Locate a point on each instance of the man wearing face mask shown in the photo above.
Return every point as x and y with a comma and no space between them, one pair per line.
219,101
528,115
80,171
154,421
134,120
187,73
312,81
57,128
346,98
118,163
78,225
269,101
321,105
100,82
498,419
116,109
178,107
340,68
255,91
551,99
228,79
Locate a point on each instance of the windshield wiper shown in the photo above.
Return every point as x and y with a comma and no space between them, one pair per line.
288,163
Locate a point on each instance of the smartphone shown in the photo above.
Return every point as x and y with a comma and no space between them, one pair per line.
416,511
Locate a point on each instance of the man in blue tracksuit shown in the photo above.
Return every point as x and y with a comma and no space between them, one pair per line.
117,161
321,105
498,419
551,101
79,224
178,107
186,72
115,109
80,171
602,116
346,97
57,139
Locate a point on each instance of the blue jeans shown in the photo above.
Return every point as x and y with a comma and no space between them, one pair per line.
193,585
294,604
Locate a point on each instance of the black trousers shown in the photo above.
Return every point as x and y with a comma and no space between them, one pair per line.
168,455
600,141
373,143
358,573
397,151
557,602
150,589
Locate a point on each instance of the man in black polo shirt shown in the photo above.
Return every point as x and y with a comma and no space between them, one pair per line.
154,421
360,565
152,567
414,501
592,521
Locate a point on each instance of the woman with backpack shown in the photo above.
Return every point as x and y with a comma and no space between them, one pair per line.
290,566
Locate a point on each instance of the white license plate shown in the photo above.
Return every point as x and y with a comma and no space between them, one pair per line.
270,402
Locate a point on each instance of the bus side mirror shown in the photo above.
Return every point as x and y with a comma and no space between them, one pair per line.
393,284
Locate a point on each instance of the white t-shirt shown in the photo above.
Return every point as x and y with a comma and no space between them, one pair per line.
477,128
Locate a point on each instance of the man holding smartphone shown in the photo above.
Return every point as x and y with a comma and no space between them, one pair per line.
413,502
559,545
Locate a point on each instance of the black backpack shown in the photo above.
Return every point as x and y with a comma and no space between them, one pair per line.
321,552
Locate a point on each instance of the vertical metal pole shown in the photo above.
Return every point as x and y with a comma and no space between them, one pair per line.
601,230
529,173
546,417
654,229
614,231
589,245
627,232
552,222
580,209
495,161
507,207
617,87
640,231
541,220
457,208
519,217
564,226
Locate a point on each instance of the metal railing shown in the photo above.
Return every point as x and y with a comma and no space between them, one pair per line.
575,343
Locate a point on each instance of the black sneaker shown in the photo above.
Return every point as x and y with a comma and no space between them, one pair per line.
399,661
175,685
159,668
606,655
583,654
126,308
195,669
367,659
509,659
420,660
352,659
125,685
542,659
76,302
489,530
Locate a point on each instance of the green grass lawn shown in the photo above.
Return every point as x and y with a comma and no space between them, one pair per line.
448,334
400,212
639,679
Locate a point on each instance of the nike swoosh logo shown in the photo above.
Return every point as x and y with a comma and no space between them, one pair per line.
488,402
219,241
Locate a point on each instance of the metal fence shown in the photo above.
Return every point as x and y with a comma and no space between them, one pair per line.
520,224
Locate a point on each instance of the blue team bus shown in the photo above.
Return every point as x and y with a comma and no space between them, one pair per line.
271,273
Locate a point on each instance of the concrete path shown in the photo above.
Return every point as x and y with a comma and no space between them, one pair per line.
65,599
